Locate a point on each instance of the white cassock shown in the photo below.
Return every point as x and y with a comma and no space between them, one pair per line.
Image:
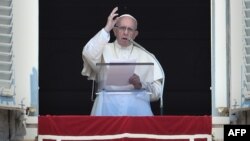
99,50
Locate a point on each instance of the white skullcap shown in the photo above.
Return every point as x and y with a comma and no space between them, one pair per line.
128,15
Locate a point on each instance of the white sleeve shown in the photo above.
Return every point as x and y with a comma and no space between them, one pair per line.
92,51
94,48
155,89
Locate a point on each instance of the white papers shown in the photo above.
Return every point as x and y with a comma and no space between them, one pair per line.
119,72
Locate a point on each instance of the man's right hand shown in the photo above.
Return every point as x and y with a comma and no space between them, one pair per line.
112,19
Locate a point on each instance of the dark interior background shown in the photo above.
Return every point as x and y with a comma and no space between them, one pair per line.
176,31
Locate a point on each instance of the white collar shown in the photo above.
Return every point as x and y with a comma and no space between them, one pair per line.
123,48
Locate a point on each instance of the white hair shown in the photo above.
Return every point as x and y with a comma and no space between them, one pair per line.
130,16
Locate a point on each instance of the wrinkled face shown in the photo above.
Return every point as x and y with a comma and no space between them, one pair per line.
125,28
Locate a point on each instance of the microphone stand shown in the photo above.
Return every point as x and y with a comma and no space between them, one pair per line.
163,80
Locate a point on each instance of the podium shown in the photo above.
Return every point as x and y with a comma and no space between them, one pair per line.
116,97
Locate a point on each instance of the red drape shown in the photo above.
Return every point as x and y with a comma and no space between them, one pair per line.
107,125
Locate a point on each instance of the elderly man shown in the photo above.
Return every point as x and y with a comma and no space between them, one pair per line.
100,50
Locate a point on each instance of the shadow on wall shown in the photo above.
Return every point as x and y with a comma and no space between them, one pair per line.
33,110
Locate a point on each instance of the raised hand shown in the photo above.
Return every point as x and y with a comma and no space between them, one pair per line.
112,19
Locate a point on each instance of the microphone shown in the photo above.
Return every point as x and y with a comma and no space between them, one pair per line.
163,80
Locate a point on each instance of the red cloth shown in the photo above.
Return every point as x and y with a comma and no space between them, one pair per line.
108,125
103,125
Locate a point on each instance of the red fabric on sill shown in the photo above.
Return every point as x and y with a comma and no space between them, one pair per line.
107,125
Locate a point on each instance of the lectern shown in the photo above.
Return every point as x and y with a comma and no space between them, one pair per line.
116,97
